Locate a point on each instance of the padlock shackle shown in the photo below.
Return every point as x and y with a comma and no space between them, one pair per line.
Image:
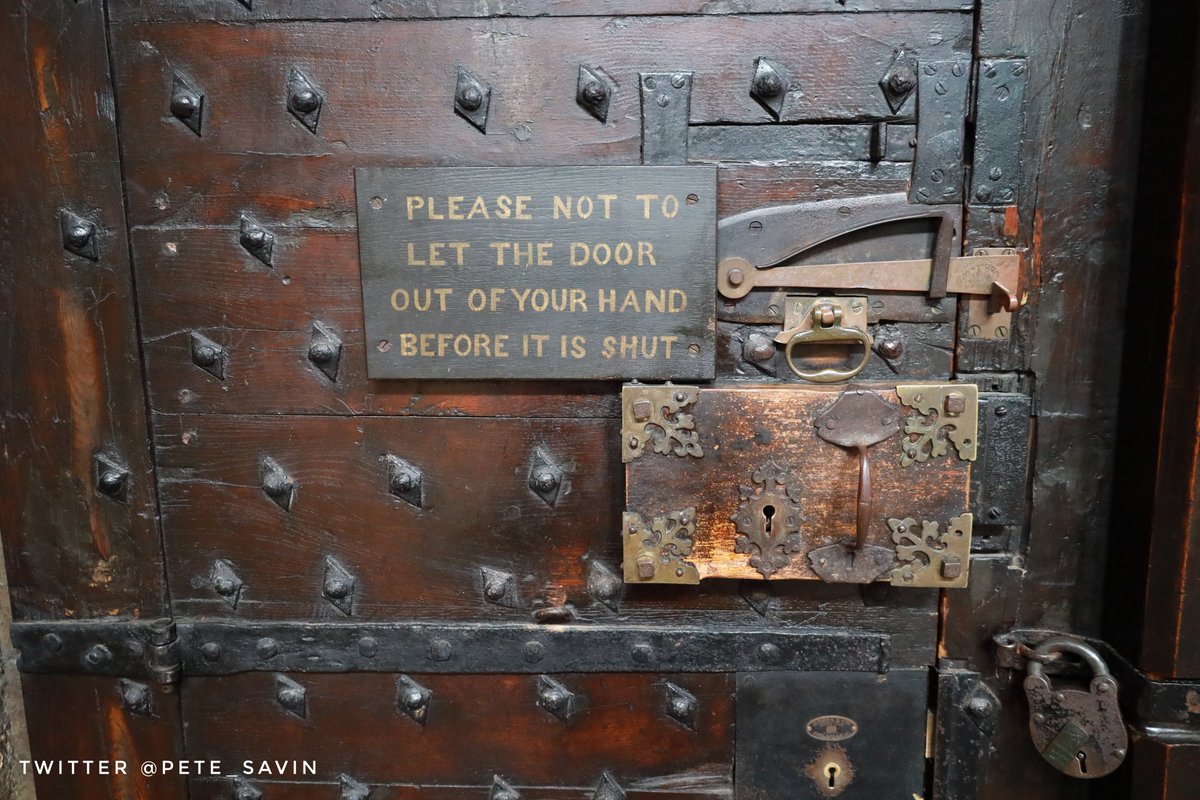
1065,644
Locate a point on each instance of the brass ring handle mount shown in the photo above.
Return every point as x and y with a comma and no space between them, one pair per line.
826,328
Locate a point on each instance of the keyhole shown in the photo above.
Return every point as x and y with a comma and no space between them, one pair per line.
1081,757
832,771
768,514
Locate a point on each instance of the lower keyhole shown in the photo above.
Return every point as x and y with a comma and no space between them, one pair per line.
769,515
832,770
1081,757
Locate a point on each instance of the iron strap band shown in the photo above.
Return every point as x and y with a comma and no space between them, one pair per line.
206,648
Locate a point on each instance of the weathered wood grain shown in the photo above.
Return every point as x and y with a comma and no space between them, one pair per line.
81,718
71,382
477,726
218,789
400,9
389,90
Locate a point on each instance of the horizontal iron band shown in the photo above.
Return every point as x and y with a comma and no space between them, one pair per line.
207,648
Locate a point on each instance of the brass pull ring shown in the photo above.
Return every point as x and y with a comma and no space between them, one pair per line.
827,328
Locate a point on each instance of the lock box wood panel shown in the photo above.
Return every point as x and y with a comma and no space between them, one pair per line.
844,485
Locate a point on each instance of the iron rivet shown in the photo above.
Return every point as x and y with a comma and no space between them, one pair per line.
768,84
255,239
98,656
413,699
983,194
210,650
305,100
52,642
275,484
205,355
336,588
225,586
440,650
368,647
321,352
769,653
182,105
534,652
267,648
595,92
680,397
290,696
642,653
979,706
79,236
544,481
633,441
891,348
470,98
111,481
902,81
554,699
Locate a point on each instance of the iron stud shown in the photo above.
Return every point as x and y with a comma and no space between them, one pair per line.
187,103
472,99
413,699
304,100
111,477
405,481
211,651
78,235
501,790
267,648
136,697
351,789
556,699
899,78
604,585
338,586
291,696
681,705
593,92
256,240
769,86
225,582
98,656
545,477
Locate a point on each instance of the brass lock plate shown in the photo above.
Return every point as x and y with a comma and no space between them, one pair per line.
761,492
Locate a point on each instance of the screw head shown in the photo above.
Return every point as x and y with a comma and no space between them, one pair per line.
305,101
595,92
321,352
678,80
768,84
183,105
544,481
470,98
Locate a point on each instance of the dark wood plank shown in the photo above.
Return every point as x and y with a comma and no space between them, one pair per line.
390,102
397,9
81,718
477,726
71,383
218,789
1163,770
202,280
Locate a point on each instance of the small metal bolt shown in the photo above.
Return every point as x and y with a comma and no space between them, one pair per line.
633,441
305,101
275,484
290,697
182,105
678,80
995,173
98,656
554,699
735,277
768,84
979,706
414,698
544,481
994,513
111,481
403,482
983,194
52,642
642,653
205,355
79,236
595,92
680,397
534,652
769,653
758,349
645,567
337,589
890,348
267,648
368,647
681,707
440,650
470,98
225,586
321,352
494,589
662,101
210,650
255,238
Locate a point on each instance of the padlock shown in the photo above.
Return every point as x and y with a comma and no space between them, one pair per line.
1080,733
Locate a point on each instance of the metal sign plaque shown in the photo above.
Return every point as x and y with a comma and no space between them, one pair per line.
538,272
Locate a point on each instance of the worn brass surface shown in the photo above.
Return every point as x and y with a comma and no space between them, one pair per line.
929,556
826,322
658,552
654,414
950,416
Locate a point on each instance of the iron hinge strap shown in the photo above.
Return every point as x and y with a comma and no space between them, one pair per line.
151,650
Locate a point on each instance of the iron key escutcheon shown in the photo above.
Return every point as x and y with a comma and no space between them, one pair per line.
1080,733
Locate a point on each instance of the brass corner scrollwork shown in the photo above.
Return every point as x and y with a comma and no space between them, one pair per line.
657,553
949,415
768,519
930,557
654,415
